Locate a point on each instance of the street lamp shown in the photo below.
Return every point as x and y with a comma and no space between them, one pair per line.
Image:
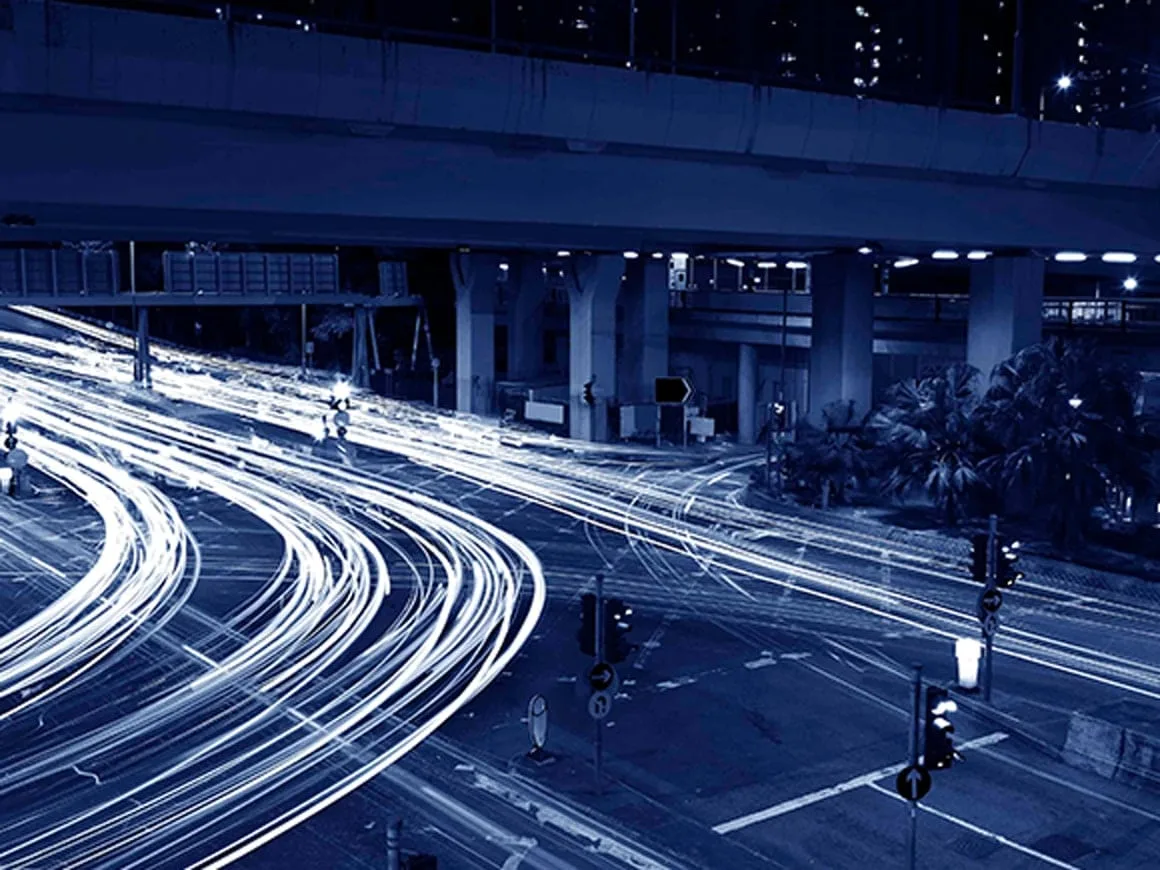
1063,83
1131,283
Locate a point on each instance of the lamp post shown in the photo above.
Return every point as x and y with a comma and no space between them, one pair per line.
1063,83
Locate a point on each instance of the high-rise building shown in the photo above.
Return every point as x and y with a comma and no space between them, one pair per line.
1116,63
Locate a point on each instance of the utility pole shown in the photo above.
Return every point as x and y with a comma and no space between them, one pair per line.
1017,63
989,636
769,447
394,835
302,339
915,725
598,742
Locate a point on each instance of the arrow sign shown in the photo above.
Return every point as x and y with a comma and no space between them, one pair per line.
672,391
913,782
601,677
990,600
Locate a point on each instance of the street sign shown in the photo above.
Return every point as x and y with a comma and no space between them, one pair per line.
672,391
601,677
913,782
990,600
990,624
538,722
600,705
17,458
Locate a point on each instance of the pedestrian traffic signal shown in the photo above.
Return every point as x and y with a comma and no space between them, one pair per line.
589,394
939,749
979,558
617,625
1006,555
586,635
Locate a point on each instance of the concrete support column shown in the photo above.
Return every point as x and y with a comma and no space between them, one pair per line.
645,301
747,394
359,366
525,337
593,285
842,333
475,279
1006,311
142,364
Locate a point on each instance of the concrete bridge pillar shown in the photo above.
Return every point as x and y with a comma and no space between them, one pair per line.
842,332
528,290
644,299
475,278
747,394
593,285
1006,310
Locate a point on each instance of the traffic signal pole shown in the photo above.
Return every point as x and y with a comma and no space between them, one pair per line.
915,725
989,636
598,738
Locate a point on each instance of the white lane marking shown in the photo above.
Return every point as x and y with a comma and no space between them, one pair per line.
982,832
835,790
80,772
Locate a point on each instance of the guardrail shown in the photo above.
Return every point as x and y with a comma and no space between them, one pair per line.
729,40
1066,313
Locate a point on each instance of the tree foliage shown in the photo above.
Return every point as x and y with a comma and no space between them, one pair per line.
830,458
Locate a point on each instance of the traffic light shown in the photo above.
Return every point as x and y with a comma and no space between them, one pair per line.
979,558
9,436
939,749
617,625
589,394
780,416
587,631
340,405
1006,555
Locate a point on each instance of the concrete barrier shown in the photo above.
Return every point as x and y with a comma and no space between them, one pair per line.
1093,745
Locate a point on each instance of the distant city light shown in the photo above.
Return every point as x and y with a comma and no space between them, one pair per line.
740,264
905,262
767,264
797,264
631,255
1118,257
978,255
1131,283
1070,257
1063,82
945,255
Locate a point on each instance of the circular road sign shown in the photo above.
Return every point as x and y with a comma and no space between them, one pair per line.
17,458
538,721
601,677
990,600
600,705
913,782
990,624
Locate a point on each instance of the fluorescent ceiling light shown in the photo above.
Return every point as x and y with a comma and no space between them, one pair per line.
865,249
563,253
631,255
905,263
1070,257
738,263
767,264
796,264
978,255
945,255
657,255
1118,257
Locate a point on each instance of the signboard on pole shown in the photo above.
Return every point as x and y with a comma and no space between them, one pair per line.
600,705
990,600
913,782
672,391
602,677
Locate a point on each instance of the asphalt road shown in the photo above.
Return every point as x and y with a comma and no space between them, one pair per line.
758,724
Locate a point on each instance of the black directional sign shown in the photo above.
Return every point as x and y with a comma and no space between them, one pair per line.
913,782
990,601
672,391
601,677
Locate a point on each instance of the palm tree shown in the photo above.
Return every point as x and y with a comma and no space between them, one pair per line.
925,437
828,461
1059,424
